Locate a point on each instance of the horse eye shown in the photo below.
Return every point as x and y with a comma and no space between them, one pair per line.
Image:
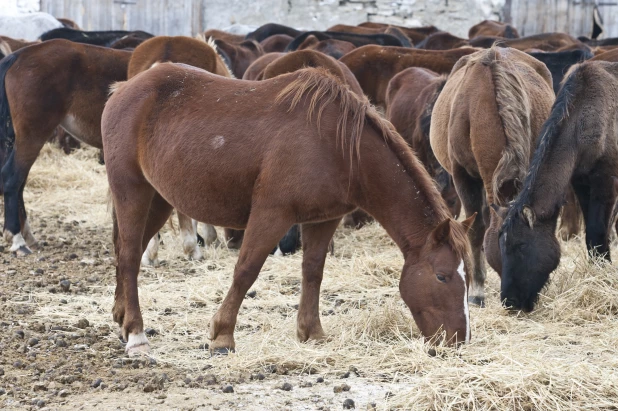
441,278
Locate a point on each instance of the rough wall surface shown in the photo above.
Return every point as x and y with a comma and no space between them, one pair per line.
455,16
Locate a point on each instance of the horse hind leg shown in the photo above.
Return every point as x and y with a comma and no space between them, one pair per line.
210,237
188,233
150,258
470,191
263,232
316,240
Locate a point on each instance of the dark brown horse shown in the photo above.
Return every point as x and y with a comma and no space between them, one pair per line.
483,131
493,29
410,98
343,155
578,146
239,56
393,31
35,98
197,53
255,71
416,34
544,42
442,40
374,66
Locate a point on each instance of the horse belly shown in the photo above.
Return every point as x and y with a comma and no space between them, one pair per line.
79,130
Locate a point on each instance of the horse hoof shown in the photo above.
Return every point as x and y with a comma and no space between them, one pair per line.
22,251
147,262
221,351
137,345
478,301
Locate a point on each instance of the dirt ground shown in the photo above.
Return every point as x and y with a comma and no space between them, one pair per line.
59,348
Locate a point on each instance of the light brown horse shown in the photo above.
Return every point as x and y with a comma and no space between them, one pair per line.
310,151
35,98
255,71
240,55
483,131
224,35
276,43
16,44
410,98
197,53
374,66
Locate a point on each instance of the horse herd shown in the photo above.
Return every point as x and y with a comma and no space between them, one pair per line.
281,128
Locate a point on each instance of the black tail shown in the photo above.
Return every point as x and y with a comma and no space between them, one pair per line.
7,133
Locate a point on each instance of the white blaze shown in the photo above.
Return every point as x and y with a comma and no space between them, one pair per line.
462,273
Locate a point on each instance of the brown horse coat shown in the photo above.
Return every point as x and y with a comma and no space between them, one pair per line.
416,34
35,98
296,168
224,35
16,44
255,71
483,131
276,43
610,56
241,55
331,47
544,42
493,29
442,40
374,66
410,97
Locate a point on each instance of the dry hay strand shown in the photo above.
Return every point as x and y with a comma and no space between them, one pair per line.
561,356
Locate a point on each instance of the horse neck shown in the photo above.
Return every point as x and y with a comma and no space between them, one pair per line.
552,168
397,191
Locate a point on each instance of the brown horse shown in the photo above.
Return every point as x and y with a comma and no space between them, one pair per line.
494,29
224,35
276,43
410,98
239,56
416,34
374,66
296,60
16,44
442,40
255,71
331,47
544,42
578,146
5,49
483,131
393,31
343,155
610,56
35,98
197,53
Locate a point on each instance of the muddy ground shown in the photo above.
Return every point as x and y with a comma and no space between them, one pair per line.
59,348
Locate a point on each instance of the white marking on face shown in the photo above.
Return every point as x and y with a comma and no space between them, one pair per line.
462,273
18,242
218,142
137,340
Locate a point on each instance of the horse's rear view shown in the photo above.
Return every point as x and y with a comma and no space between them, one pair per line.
300,148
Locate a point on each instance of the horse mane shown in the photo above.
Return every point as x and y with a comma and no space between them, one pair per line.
324,88
564,102
514,111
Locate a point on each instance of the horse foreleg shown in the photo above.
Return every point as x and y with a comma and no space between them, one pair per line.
316,239
233,238
264,230
188,233
210,237
600,214
470,191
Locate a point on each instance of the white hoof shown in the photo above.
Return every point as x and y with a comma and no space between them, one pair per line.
19,245
278,253
196,254
137,345
150,256
147,262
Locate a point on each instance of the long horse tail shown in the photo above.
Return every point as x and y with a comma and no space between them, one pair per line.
514,108
7,132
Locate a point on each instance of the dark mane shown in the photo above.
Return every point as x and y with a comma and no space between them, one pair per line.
549,133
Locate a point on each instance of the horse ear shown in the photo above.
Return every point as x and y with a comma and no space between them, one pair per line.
441,233
529,216
467,223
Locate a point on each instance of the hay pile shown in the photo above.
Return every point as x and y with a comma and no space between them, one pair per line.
561,356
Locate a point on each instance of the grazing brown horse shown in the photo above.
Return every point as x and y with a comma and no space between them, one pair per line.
343,155
493,29
374,66
410,98
331,47
197,53
35,98
240,55
544,42
276,43
442,40
296,60
578,146
416,34
255,71
483,131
